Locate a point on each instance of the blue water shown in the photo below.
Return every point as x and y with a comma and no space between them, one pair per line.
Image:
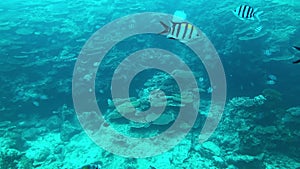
40,42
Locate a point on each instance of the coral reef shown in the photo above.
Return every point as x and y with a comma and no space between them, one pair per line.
243,143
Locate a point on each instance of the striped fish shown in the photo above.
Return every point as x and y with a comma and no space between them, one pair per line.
247,12
182,31
92,166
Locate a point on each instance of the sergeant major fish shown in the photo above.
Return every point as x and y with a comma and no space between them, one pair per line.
91,166
247,12
182,31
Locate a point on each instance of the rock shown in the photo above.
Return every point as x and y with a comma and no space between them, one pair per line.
251,145
24,31
266,130
272,95
182,74
58,149
126,107
30,134
246,161
210,149
138,125
181,152
9,158
259,100
53,122
220,162
253,36
25,163
294,111
5,123
38,154
68,131
185,97
16,140
164,119
13,152
113,115
248,102
42,155
162,163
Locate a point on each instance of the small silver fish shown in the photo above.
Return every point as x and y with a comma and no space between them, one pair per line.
267,52
258,29
247,12
272,77
270,82
182,31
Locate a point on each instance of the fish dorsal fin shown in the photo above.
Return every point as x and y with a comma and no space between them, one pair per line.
246,4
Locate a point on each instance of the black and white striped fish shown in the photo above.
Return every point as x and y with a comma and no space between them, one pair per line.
95,165
182,31
247,12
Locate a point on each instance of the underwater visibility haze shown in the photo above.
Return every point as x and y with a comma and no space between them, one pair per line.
126,84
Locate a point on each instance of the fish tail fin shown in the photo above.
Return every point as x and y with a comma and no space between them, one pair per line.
296,47
257,15
297,61
166,28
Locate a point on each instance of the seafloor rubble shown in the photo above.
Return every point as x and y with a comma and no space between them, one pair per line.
249,135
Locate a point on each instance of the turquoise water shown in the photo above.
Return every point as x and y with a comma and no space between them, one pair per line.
41,42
